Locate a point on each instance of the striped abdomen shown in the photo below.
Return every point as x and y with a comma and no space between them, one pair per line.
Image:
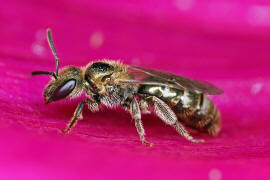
193,109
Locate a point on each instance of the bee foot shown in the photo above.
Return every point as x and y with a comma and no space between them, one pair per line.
197,140
64,131
147,143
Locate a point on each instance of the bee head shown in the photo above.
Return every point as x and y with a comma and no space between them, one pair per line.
68,83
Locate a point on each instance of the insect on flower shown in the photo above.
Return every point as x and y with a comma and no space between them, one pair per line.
176,100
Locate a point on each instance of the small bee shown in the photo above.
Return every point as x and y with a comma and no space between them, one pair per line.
176,100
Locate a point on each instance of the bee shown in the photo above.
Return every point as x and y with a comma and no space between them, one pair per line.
178,101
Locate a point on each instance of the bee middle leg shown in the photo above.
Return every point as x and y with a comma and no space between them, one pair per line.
93,106
136,115
165,113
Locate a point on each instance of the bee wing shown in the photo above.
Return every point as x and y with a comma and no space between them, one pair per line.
154,77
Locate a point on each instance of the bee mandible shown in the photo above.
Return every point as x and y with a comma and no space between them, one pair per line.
176,100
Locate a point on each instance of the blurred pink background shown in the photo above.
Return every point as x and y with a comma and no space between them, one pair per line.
224,42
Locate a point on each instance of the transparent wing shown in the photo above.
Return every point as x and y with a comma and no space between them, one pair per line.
154,77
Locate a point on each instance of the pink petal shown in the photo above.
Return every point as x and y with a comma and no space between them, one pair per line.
223,42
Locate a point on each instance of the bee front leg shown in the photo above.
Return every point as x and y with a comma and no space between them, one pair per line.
136,115
93,106
165,113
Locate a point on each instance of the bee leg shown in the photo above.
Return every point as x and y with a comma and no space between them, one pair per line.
144,107
181,130
93,106
165,113
136,115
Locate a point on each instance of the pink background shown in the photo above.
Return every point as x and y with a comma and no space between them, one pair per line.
224,42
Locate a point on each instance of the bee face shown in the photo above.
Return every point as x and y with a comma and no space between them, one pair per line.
68,84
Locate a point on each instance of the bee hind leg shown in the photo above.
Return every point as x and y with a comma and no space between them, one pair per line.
181,130
136,115
165,113
93,106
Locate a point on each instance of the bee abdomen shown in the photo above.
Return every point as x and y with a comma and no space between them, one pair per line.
211,114
206,117
193,109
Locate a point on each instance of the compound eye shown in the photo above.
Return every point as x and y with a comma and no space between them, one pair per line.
63,90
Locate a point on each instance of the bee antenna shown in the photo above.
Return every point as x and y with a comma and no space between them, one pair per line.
43,73
51,44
